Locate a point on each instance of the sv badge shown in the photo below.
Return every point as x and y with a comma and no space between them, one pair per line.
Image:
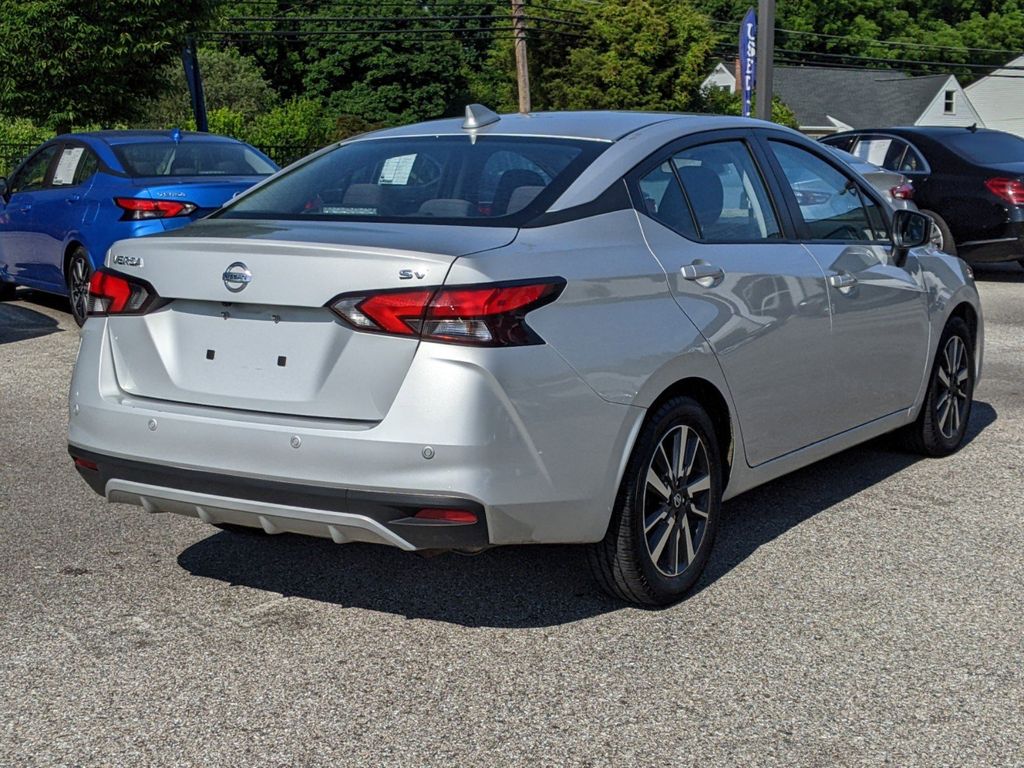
409,274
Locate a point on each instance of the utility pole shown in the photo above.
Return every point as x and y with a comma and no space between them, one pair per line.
765,54
522,67
195,83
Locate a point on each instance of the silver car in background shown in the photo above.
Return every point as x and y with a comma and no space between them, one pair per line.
894,187
569,327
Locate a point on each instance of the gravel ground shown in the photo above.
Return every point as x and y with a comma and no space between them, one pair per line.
866,610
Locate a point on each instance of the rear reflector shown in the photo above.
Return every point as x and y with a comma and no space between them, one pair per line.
138,208
86,464
447,515
1011,190
111,293
492,315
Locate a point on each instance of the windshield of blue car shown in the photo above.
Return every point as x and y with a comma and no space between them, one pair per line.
988,147
193,158
460,180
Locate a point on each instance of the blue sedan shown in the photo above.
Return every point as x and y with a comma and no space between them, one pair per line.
65,205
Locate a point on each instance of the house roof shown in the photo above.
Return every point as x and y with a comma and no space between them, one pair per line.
860,98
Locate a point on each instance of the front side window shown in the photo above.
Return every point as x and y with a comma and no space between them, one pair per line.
830,203
476,181
726,194
32,175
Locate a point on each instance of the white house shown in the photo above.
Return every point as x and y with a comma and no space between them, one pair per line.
999,97
720,79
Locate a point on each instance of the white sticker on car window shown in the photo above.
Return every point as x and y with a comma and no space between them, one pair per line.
396,170
67,165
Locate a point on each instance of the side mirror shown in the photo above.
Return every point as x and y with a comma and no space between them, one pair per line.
3,188
910,229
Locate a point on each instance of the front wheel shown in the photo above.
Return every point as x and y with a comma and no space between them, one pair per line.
941,426
667,511
78,274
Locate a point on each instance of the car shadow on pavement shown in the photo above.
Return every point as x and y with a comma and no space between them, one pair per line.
19,322
1002,272
532,586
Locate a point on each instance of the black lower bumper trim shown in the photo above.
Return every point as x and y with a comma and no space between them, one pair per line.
393,510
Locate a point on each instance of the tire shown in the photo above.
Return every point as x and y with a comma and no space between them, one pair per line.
79,270
7,291
657,566
1021,262
938,430
944,240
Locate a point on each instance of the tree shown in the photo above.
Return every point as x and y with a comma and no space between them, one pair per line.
89,61
231,81
637,54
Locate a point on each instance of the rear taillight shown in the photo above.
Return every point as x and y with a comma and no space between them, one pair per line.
904,191
491,315
1011,190
138,208
111,293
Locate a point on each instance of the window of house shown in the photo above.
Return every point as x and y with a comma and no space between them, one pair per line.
949,107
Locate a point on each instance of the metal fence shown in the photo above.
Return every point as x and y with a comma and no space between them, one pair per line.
12,154
282,154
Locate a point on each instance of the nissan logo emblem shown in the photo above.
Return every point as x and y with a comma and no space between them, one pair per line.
236,277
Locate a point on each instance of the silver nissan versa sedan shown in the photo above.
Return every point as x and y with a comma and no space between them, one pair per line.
566,327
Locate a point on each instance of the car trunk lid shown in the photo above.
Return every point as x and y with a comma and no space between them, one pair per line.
272,344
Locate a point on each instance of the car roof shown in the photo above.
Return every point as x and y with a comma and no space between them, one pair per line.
595,126
114,138
932,131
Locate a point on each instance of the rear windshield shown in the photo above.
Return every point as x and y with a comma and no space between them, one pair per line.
492,180
193,158
988,147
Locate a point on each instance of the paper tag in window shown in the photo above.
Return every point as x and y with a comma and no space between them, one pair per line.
66,167
396,170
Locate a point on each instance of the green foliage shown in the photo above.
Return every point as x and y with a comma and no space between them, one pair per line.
22,131
81,61
231,82
724,103
637,54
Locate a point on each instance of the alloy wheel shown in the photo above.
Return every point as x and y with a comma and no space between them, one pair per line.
954,374
676,500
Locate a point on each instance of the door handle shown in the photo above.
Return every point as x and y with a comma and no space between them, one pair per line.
72,199
702,273
842,280
24,208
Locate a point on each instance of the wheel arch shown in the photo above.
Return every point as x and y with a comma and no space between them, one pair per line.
712,400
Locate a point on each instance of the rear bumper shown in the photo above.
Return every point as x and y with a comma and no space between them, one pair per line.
341,514
514,434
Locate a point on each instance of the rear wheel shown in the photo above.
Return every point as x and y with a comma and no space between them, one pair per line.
942,424
78,273
941,237
7,291
667,511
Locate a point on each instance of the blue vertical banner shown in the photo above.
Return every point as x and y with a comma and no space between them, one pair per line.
748,58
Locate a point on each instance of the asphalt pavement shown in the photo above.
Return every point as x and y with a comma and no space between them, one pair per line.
868,610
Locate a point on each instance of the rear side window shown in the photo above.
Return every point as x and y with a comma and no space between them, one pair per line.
74,166
883,151
663,200
482,180
726,193
830,202
192,158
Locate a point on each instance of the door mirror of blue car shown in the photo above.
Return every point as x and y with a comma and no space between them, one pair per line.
910,229
3,188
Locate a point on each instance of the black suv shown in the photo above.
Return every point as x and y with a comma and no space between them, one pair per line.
969,180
